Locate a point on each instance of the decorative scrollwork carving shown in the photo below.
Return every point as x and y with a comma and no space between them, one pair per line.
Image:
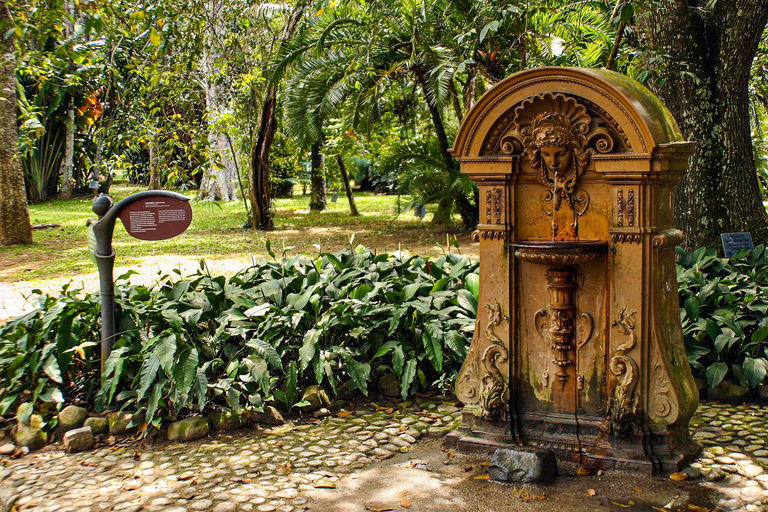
497,205
488,202
631,208
495,388
620,208
626,238
626,324
624,409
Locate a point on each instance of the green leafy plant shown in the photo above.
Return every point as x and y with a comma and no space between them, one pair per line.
203,342
724,313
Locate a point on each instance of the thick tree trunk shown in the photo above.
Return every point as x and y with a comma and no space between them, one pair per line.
14,213
704,82
318,200
68,163
259,193
469,216
347,186
220,178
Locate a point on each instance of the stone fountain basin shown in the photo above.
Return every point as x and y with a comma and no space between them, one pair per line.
558,253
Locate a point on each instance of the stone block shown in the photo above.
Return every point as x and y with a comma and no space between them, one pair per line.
729,393
188,429
389,385
317,397
32,435
523,464
227,420
270,416
120,423
71,417
79,440
98,425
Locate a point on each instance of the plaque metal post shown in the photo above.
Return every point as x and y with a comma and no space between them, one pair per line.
101,232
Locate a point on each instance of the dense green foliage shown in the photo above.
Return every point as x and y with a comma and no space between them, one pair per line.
724,312
203,342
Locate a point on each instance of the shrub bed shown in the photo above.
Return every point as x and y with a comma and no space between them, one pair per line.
203,342
724,313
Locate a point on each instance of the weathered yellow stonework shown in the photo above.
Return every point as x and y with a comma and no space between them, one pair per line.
578,345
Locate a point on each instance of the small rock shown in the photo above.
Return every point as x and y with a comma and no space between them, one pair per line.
523,464
715,475
31,435
389,385
120,423
72,417
225,507
317,397
750,470
729,393
7,449
321,412
188,429
98,425
270,416
693,473
227,420
79,440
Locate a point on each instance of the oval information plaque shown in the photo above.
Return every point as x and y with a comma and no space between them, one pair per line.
156,217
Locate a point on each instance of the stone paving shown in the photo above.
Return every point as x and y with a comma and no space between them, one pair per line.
264,471
275,469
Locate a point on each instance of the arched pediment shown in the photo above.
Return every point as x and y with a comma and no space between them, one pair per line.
615,114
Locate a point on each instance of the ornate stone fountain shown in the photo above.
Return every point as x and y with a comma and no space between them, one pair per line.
578,347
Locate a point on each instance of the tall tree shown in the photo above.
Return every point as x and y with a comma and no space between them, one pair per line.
318,199
700,55
220,179
261,210
14,214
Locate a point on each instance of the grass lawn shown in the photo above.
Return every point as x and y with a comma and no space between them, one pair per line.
216,233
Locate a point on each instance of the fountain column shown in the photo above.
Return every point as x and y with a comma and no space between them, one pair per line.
562,291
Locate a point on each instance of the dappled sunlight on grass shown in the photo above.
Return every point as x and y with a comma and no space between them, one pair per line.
217,233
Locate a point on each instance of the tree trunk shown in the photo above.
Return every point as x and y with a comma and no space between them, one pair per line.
261,201
14,213
220,177
318,200
704,82
154,168
347,186
68,163
469,216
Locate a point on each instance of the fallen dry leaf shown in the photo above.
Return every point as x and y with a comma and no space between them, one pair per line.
590,493
486,463
325,484
526,495
484,476
284,470
637,489
451,455
137,455
186,477
694,508
582,471
343,414
377,509
678,477
624,505
470,468
405,503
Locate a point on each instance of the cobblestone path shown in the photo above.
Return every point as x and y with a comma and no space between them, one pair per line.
275,469
248,470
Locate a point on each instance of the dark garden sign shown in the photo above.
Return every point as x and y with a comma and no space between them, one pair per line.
151,215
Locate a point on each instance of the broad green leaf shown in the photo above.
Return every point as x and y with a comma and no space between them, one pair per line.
409,373
148,374
266,352
307,350
692,307
716,373
51,368
184,371
432,339
755,370
165,350
201,388
358,371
